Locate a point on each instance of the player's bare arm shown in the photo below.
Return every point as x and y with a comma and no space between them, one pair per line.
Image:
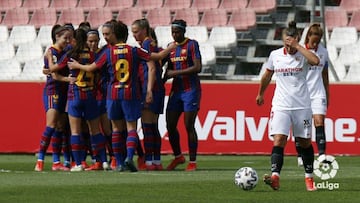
191,70
264,83
73,64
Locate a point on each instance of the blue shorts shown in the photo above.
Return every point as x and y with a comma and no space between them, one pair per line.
157,106
102,106
85,108
56,101
184,101
130,110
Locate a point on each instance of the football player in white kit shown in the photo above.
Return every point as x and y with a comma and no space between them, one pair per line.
291,106
318,84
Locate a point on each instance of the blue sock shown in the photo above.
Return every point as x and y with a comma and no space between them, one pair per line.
98,147
76,148
148,140
45,141
131,143
56,146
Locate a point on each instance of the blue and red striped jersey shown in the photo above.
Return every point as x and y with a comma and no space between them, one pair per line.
150,46
52,86
85,85
123,67
183,57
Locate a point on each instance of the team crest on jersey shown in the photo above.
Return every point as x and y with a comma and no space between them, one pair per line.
54,59
183,51
297,58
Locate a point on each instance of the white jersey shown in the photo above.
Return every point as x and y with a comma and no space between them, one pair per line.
291,91
314,76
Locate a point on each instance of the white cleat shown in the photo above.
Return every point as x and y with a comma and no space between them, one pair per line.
77,168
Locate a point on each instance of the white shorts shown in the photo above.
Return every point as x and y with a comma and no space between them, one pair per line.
282,121
319,106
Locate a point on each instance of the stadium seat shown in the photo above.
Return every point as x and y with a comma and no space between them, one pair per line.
4,33
203,5
340,70
9,4
341,36
28,51
208,54
177,4
349,54
355,20
117,5
199,33
42,17
232,5
261,6
37,4
353,74
44,36
146,5
159,17
243,19
128,15
7,51
223,37
63,4
350,5
332,52
190,15
91,4
9,69
22,34
17,16
97,17
335,18
163,34
72,15
32,71
214,17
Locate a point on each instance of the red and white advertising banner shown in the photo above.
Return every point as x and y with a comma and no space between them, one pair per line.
229,121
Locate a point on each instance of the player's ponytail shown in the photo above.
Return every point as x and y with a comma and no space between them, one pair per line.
291,30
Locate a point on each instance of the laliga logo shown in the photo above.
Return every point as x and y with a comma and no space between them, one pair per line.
325,167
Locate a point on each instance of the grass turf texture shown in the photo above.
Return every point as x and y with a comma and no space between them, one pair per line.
212,182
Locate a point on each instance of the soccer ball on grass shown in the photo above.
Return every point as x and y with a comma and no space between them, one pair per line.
246,178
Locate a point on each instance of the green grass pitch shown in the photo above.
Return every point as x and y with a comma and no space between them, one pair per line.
212,182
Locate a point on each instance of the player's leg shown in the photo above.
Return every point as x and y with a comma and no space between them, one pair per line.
191,101
172,118
51,120
189,121
147,117
173,111
280,127
320,133
298,149
302,126
76,141
98,141
132,112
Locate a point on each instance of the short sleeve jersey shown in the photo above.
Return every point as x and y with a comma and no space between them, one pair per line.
122,63
149,45
52,86
314,76
291,92
85,86
183,57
